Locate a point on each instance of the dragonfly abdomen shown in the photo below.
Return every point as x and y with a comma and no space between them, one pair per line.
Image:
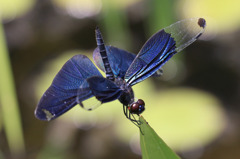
103,53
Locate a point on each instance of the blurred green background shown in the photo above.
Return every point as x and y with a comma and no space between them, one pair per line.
194,106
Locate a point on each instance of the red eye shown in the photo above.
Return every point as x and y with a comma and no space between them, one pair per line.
141,102
134,107
137,107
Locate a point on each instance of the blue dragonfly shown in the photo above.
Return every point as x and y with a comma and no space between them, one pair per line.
79,79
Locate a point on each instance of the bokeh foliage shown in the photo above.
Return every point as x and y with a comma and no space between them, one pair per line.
185,117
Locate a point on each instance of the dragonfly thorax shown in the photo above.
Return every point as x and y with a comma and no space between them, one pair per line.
127,96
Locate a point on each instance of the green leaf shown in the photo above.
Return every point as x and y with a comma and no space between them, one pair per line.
9,113
152,146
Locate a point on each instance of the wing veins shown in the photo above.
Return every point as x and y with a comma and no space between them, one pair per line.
156,57
151,62
157,65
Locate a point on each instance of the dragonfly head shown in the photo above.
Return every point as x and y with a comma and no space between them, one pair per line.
137,107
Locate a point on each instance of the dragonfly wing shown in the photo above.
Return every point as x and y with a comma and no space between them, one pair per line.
119,60
162,46
61,95
103,89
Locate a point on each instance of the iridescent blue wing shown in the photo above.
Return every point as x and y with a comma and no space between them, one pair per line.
61,95
119,60
162,46
103,89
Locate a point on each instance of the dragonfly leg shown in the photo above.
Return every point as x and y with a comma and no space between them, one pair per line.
130,116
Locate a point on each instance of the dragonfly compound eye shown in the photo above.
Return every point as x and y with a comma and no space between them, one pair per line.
141,102
141,106
137,107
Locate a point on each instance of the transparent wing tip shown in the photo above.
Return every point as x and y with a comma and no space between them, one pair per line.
202,22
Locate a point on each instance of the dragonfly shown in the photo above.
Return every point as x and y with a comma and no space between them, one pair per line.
79,80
